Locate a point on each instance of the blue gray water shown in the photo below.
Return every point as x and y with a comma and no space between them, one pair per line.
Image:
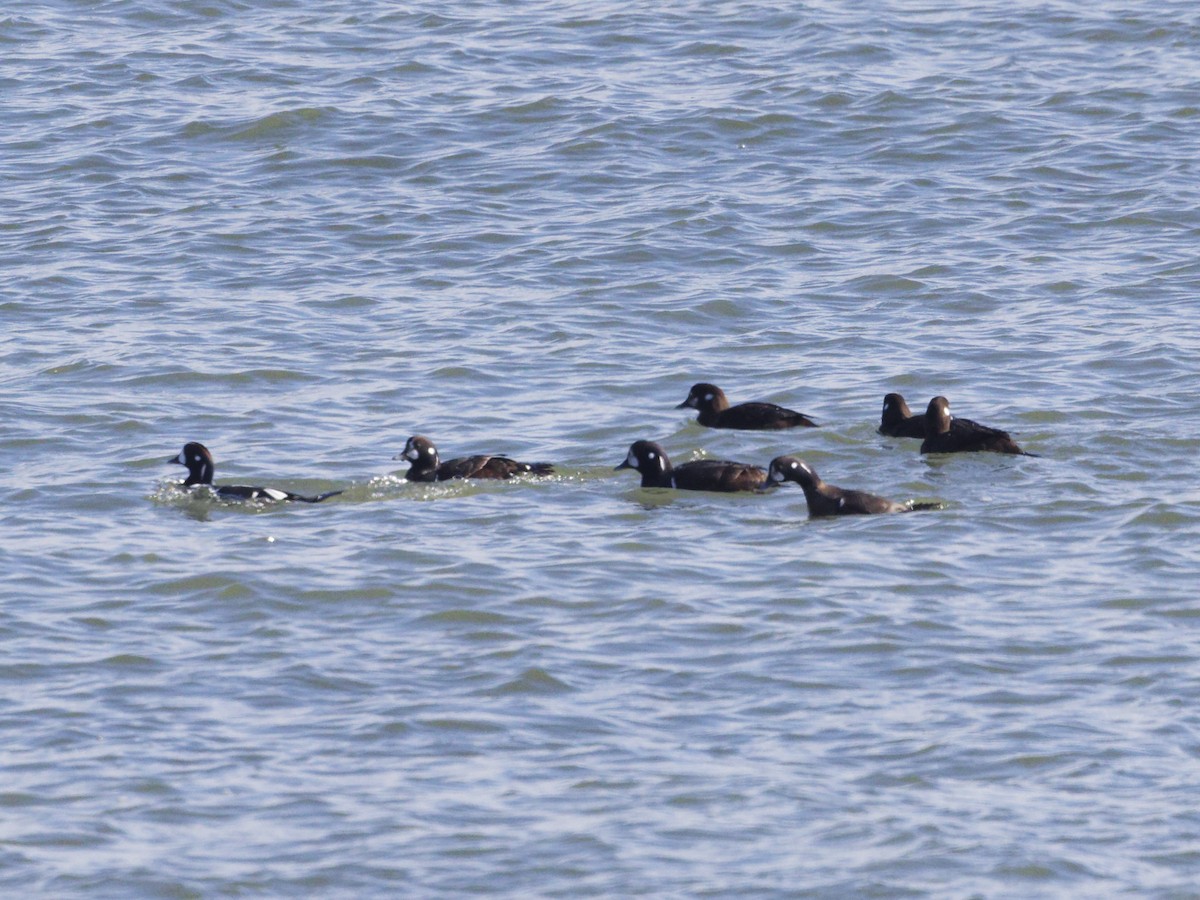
300,233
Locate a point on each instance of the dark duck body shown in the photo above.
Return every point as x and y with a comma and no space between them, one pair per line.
897,420
942,435
715,412
828,500
648,458
199,462
427,465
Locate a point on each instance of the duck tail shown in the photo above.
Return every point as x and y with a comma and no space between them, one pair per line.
318,498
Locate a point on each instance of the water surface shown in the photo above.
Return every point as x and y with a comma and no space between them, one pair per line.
300,233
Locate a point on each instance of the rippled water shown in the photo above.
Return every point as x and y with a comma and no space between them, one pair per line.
300,233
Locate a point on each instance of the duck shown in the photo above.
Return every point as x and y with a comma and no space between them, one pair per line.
715,412
829,500
649,459
198,461
427,465
897,420
941,435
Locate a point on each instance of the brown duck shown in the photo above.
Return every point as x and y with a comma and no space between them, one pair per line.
715,412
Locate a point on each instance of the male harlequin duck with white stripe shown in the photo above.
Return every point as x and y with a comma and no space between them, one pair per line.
827,500
427,466
656,470
199,463
715,412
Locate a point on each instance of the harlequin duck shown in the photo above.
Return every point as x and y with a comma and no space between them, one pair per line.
199,463
701,475
898,420
426,466
826,500
715,412
942,437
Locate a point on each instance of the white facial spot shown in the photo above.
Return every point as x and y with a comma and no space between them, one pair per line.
631,460
709,397
776,475
841,502
795,465
651,455
197,458
887,404
411,453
